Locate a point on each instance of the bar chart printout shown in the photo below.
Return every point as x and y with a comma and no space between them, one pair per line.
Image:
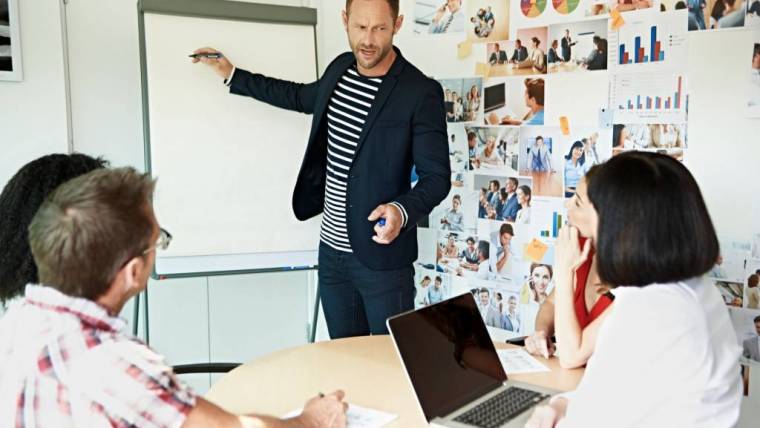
654,43
649,98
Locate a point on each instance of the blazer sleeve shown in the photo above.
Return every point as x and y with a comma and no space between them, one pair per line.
299,97
430,154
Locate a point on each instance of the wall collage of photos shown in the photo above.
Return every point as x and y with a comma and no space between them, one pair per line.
513,171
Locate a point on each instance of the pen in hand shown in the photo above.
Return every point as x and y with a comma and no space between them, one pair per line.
206,55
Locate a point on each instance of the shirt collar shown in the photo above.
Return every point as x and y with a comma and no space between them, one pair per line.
87,311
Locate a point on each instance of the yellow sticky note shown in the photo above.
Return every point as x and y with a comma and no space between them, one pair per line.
616,19
464,49
535,250
564,125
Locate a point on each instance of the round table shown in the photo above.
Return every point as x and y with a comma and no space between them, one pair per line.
367,368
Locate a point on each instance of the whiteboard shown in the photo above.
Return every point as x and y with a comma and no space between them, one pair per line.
226,165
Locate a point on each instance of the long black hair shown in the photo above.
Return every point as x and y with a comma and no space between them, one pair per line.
19,201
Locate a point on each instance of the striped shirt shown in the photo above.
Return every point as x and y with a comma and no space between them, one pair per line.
66,363
347,110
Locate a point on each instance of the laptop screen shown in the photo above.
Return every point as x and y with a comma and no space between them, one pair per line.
494,97
448,354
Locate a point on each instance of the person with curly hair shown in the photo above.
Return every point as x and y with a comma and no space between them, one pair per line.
19,201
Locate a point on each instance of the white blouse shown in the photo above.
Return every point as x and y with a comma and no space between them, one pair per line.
666,356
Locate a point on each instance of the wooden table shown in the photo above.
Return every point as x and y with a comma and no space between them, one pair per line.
367,368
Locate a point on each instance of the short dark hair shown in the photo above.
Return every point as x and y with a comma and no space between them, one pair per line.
485,248
535,40
514,181
471,136
392,3
470,239
680,5
756,50
753,280
19,201
757,319
535,89
506,228
636,245
538,137
517,41
438,279
87,229
493,182
484,290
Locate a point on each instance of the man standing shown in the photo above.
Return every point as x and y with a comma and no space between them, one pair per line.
487,311
567,45
539,157
67,360
509,212
375,115
752,345
511,320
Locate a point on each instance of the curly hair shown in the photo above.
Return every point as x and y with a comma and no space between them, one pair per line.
19,201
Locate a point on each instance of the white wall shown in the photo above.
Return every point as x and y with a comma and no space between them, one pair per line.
33,111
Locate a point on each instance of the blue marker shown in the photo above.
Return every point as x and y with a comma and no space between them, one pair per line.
381,222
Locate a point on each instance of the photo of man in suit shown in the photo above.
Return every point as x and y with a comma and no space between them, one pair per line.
567,46
487,311
752,345
498,56
520,54
374,116
509,212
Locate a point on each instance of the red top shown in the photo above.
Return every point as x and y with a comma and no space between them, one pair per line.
581,278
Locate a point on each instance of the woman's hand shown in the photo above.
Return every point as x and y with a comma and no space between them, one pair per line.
568,256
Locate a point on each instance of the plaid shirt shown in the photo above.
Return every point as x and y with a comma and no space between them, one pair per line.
64,362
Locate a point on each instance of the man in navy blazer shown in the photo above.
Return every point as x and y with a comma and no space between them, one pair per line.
511,207
374,116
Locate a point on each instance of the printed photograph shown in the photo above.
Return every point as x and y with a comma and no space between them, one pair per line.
715,14
629,5
493,149
487,20
753,94
10,44
514,101
430,287
752,20
463,255
502,199
583,151
498,304
577,46
462,98
732,292
438,17
457,213
541,158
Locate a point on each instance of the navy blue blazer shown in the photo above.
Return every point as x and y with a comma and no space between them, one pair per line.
406,126
509,212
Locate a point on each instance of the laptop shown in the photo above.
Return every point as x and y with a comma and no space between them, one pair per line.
494,97
453,367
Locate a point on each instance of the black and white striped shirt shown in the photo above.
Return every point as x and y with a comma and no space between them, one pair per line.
347,110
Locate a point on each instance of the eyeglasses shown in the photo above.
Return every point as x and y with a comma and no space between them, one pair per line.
164,239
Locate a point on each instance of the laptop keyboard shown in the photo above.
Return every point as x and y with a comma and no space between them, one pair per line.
501,408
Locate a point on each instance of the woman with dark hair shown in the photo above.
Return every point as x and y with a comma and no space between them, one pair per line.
19,201
574,168
523,198
667,355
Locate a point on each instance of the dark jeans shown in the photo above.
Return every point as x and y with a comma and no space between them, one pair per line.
357,300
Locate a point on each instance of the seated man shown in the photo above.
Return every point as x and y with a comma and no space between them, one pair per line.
66,360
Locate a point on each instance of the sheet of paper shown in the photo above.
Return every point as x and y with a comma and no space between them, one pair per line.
518,360
360,417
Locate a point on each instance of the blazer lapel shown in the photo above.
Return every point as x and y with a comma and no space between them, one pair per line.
329,81
389,82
